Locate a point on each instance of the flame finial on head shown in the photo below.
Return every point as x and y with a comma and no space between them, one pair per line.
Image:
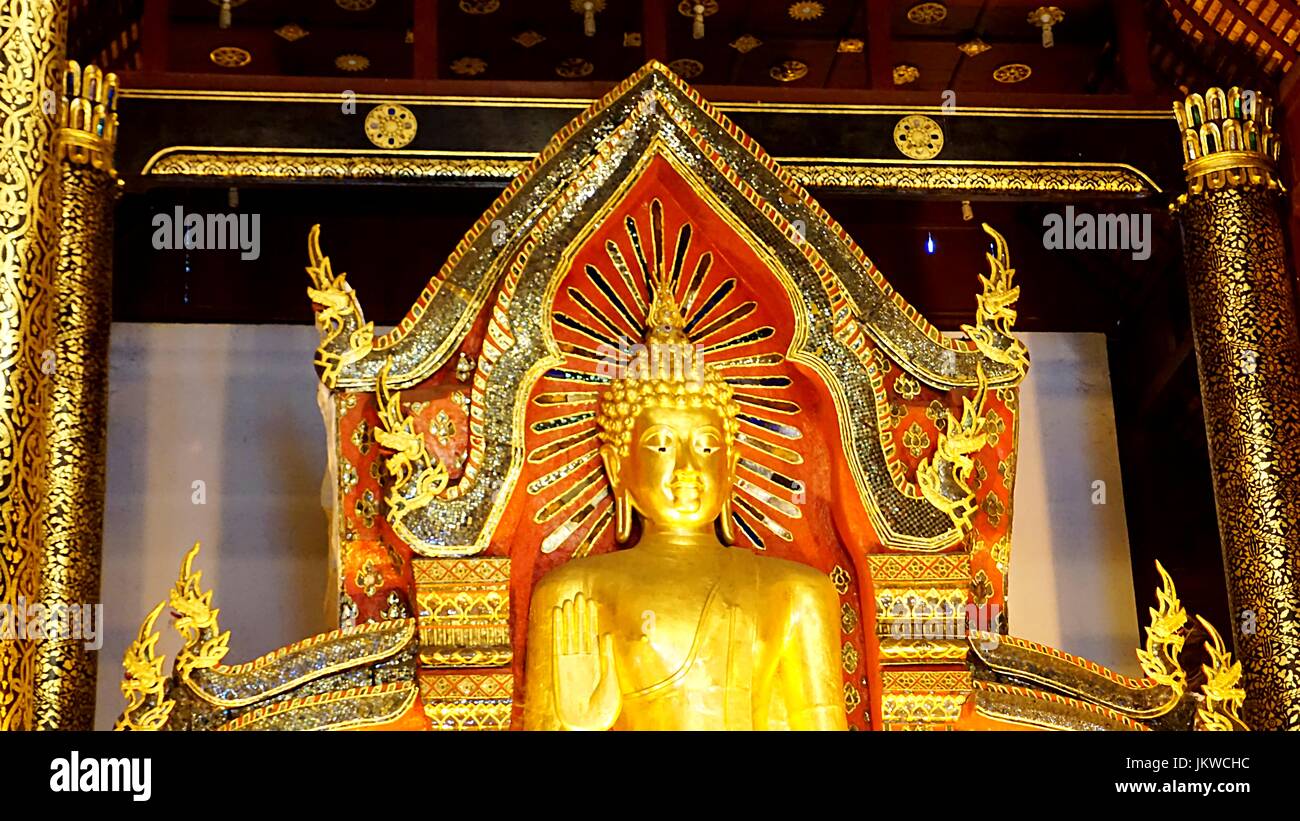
668,369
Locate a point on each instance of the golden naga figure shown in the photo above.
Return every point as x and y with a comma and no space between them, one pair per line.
679,631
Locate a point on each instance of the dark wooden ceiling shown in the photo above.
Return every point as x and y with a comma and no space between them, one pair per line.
848,44
843,44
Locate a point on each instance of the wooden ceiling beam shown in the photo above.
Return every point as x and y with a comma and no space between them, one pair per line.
154,39
594,89
426,41
1223,58
879,46
1287,5
1195,19
1259,28
1134,48
654,29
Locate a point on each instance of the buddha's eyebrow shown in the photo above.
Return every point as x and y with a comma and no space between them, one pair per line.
657,430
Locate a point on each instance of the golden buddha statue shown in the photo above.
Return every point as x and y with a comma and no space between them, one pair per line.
679,632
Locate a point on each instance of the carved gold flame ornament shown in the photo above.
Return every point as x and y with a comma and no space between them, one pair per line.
143,682
196,620
995,313
337,310
1159,658
1221,694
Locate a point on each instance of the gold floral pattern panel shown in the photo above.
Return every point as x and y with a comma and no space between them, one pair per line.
374,567
913,416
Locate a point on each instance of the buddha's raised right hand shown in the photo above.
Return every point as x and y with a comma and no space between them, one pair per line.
586,688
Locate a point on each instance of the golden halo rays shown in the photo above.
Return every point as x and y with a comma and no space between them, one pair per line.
605,314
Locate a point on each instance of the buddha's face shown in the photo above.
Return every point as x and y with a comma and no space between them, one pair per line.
678,470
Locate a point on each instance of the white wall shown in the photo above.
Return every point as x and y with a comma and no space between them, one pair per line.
235,408
1071,581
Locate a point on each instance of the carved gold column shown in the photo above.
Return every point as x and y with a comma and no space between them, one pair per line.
78,409
1248,351
32,42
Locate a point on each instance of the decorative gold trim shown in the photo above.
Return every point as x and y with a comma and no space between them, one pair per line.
290,163
903,613
1228,140
976,176
1046,711
335,710
88,117
922,708
838,172
915,651
577,103
911,568
464,607
1164,679
468,701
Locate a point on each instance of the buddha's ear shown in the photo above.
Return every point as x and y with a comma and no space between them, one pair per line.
609,455
725,524
622,503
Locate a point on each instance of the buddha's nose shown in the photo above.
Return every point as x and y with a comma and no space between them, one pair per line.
686,476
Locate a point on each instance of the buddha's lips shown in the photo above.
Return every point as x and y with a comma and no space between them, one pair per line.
686,494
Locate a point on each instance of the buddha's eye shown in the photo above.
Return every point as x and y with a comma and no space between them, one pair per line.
707,443
658,442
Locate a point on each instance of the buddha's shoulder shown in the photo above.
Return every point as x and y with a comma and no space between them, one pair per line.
774,572
579,574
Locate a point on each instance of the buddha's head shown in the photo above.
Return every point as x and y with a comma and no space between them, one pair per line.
668,430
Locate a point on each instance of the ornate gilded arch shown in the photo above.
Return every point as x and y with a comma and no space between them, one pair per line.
501,270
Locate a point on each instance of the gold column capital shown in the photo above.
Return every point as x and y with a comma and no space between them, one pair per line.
87,117
1228,140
